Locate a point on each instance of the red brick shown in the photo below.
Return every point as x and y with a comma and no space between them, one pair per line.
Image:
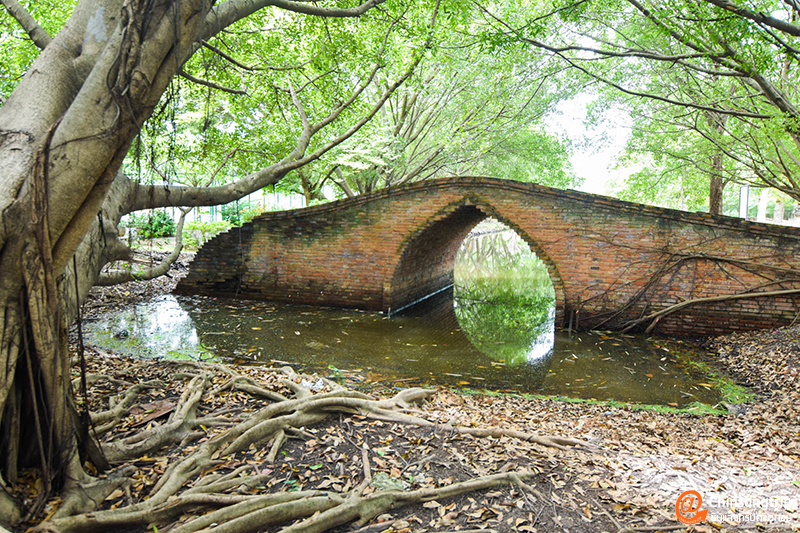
383,250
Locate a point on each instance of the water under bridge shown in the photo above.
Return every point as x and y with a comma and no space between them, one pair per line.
612,263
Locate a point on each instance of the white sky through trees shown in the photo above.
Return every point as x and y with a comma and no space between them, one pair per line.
595,147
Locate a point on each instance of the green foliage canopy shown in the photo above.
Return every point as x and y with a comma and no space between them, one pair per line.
711,84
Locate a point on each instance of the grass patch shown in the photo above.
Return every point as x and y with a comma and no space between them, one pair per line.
729,391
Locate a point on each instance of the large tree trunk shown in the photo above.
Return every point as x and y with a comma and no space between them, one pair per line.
63,135
35,373
717,180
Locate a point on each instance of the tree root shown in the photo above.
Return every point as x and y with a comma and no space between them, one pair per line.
181,424
236,501
249,385
363,509
654,317
119,407
88,495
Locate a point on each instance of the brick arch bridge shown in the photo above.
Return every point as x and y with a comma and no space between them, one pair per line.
611,262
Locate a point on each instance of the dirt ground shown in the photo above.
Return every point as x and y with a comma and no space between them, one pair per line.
627,476
630,474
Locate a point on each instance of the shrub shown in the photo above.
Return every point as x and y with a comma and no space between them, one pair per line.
197,233
153,224
238,215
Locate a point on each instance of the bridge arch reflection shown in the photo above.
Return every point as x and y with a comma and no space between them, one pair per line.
504,299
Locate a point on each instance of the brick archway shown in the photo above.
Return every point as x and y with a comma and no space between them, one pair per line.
610,260
426,259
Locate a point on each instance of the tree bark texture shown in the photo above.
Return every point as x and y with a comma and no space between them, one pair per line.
63,135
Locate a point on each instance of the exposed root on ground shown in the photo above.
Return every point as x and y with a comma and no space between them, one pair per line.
193,493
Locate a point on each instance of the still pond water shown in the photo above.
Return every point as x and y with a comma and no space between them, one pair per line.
493,331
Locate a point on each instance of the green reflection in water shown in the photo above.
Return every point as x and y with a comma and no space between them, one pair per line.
157,328
425,347
504,299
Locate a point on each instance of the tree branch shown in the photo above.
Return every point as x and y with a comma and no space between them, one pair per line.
234,61
760,18
341,181
226,13
115,277
38,35
645,54
310,9
229,58
151,196
691,105
210,84
308,131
